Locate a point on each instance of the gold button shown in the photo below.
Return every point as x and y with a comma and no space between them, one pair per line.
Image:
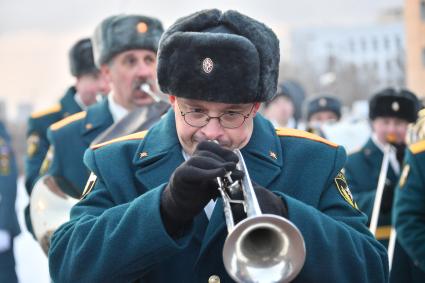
89,126
214,279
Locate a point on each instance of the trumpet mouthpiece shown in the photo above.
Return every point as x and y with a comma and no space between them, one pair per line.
146,88
391,138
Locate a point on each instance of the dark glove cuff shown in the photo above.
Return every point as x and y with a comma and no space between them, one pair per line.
175,221
271,203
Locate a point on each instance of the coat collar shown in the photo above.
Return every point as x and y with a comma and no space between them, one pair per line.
156,159
374,156
68,103
371,150
263,153
98,118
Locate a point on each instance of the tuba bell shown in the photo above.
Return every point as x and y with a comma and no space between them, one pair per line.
261,247
49,208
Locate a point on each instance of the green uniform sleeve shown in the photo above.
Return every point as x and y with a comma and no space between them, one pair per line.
335,235
100,221
409,208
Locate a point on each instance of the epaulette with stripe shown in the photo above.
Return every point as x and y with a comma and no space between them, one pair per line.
135,136
303,134
53,109
417,147
62,123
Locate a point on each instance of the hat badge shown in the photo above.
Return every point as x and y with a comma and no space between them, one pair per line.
322,102
395,106
142,27
207,65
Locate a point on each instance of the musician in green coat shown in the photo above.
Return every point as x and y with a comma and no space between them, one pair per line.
9,226
89,83
409,208
390,112
151,211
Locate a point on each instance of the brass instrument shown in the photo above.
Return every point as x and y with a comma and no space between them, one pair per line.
262,247
388,149
157,96
50,208
416,131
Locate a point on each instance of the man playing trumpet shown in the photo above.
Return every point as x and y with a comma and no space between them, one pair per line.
125,49
390,112
150,210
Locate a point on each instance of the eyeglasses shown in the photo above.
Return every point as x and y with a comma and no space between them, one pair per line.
229,120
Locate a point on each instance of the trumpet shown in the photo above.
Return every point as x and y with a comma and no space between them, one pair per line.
261,247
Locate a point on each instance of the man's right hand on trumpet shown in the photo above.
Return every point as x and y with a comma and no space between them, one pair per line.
194,184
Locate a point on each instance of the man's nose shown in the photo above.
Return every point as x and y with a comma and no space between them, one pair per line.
213,130
104,86
144,70
391,128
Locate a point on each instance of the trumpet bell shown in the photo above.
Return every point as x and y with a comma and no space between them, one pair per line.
265,248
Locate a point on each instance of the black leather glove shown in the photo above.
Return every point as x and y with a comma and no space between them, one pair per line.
387,197
268,201
193,184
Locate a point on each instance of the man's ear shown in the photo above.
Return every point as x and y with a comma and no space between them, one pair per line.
105,71
172,99
255,108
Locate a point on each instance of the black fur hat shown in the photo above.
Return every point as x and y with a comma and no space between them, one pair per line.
81,58
324,103
120,33
389,102
222,57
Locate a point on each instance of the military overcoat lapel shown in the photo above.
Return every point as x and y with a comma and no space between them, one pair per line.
157,159
98,119
374,157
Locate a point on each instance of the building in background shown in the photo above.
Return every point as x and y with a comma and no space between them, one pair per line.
353,62
415,45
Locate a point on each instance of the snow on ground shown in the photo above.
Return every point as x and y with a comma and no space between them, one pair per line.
31,263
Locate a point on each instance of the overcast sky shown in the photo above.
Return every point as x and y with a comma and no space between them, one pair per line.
35,35
62,16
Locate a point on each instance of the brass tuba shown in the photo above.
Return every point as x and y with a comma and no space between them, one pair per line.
262,247
50,208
